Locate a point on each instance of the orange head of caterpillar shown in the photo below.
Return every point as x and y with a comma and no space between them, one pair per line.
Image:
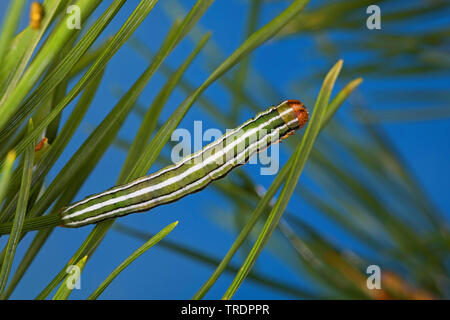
300,112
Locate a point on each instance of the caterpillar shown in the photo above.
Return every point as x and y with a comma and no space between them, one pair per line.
36,15
192,173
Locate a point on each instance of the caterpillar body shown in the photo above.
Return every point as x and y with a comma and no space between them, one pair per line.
193,172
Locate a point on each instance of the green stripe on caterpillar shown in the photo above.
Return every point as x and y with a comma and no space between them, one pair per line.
193,172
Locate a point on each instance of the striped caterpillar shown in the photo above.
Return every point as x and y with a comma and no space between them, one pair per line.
193,172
